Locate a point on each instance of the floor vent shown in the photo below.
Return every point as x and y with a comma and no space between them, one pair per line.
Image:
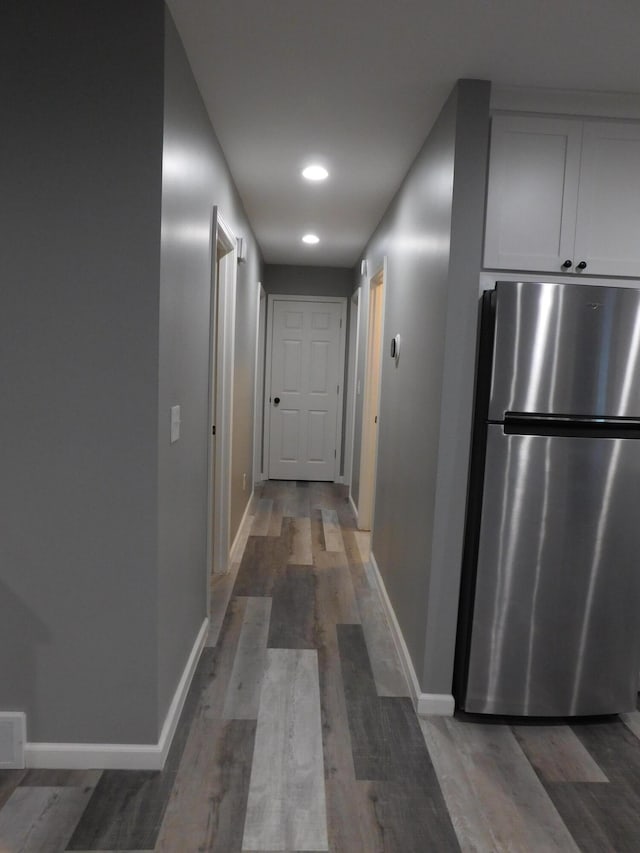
12,738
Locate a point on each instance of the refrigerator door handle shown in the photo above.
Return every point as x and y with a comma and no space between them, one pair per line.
525,423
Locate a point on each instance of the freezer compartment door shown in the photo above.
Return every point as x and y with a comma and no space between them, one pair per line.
565,349
556,612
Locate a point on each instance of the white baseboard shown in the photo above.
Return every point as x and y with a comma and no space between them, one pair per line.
13,728
353,506
440,704
121,756
435,704
243,521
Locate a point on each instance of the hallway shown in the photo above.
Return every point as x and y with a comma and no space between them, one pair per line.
298,733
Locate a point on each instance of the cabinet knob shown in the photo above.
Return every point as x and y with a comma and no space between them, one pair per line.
567,264
276,401
582,265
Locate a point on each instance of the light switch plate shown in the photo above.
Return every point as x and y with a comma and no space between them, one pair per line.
175,423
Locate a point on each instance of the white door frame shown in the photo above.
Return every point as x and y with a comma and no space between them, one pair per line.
371,407
350,426
342,300
221,363
259,390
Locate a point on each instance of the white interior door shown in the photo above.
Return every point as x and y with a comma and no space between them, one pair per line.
532,193
305,394
609,201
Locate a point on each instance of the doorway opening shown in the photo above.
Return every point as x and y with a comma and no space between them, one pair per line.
371,401
221,358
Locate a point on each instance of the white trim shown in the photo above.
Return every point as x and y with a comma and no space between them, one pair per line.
354,508
565,102
369,436
224,432
396,632
121,756
291,297
13,731
245,515
352,367
266,407
435,705
258,389
221,369
213,320
440,704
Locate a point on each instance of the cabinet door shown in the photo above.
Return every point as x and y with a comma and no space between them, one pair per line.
533,191
608,226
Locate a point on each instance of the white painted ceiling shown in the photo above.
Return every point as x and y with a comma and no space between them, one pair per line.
358,84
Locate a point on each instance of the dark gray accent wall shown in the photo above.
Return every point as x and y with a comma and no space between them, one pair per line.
431,236
109,178
185,293
80,159
195,178
308,281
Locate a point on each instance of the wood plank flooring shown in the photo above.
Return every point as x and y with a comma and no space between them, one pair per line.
298,733
286,803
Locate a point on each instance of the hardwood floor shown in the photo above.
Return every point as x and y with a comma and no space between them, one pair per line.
298,733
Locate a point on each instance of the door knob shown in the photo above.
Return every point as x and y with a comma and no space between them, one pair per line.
276,400
582,265
567,264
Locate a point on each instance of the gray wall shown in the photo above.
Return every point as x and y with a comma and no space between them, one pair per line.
104,307
458,381
81,157
308,281
431,236
195,178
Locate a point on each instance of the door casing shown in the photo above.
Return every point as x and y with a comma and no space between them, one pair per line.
221,363
371,399
259,392
352,397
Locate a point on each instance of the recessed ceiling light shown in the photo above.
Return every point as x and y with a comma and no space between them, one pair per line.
315,172
311,239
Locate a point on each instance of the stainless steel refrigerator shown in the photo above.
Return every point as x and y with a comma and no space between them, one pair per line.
550,607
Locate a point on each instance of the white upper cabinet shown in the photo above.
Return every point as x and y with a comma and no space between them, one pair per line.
533,192
608,226
563,196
